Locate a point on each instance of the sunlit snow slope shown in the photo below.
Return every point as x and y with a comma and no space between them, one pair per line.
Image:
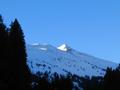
45,57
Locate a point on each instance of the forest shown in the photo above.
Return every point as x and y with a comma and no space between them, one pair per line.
16,75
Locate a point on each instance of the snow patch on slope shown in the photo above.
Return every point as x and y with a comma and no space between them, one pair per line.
64,47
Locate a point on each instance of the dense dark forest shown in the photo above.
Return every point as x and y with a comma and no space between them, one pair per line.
16,75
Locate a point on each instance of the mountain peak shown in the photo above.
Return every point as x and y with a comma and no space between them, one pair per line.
63,60
64,47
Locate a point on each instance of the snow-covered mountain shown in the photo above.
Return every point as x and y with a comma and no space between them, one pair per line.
64,59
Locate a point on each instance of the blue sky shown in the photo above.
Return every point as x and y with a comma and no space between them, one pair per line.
90,26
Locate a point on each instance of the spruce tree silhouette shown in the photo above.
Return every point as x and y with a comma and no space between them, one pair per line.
4,72
108,79
112,79
20,73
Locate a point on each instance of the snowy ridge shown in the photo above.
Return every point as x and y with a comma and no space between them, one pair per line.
45,57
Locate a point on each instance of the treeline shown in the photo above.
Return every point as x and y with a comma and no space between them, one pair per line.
15,73
111,81
45,81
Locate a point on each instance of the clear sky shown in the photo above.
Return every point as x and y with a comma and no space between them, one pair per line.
90,26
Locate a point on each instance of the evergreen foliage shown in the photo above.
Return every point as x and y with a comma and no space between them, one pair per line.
15,73
4,62
57,82
20,73
112,79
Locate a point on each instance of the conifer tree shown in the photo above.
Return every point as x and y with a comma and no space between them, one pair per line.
112,79
20,74
4,72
